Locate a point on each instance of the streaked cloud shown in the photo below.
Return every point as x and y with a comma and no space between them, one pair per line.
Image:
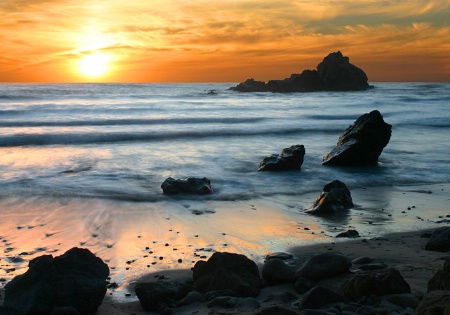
226,41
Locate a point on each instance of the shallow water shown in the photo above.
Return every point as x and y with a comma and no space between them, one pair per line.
82,165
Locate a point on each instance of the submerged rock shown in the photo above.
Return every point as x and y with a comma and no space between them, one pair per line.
334,73
362,143
229,271
290,159
75,279
188,185
334,198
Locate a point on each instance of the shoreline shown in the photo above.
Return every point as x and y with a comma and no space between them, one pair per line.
124,237
416,265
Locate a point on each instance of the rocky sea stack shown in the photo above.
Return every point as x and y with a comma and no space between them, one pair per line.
334,73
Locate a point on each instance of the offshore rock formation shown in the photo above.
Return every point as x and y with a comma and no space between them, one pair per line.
334,73
362,143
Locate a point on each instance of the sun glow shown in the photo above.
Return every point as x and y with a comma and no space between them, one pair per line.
94,65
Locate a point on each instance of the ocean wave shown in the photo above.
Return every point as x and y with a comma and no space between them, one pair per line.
132,121
91,138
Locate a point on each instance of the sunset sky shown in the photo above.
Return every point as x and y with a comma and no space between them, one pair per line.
222,41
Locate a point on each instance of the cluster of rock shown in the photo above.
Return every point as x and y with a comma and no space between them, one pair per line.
360,145
232,281
334,73
76,283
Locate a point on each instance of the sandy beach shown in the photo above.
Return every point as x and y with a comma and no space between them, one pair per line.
141,240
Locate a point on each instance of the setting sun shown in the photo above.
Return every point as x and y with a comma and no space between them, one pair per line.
94,65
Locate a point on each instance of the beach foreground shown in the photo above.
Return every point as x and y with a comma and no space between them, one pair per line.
139,241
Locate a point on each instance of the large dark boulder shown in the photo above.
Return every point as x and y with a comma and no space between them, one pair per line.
377,283
188,185
334,73
75,279
441,279
440,240
227,271
277,271
290,159
324,265
320,296
334,198
362,143
161,294
434,303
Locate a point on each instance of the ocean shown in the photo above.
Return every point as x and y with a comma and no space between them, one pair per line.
102,151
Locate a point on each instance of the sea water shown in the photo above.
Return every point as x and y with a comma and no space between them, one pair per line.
101,151
121,141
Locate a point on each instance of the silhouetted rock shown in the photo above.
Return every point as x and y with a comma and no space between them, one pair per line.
441,279
227,271
338,74
250,85
362,143
377,283
334,198
290,159
440,240
324,265
334,73
161,294
188,185
75,279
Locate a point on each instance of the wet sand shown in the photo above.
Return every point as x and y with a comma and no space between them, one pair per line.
139,239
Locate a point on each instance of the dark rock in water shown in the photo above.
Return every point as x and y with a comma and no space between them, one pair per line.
290,159
277,271
227,271
404,300
338,74
441,279
250,85
349,234
320,296
362,143
377,283
188,185
75,279
161,294
324,265
334,198
440,240
334,73
435,302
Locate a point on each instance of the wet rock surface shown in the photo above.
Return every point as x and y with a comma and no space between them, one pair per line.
362,143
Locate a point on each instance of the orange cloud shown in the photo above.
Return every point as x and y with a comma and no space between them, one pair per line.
227,41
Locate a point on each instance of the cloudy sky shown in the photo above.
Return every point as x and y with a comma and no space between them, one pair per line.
222,41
